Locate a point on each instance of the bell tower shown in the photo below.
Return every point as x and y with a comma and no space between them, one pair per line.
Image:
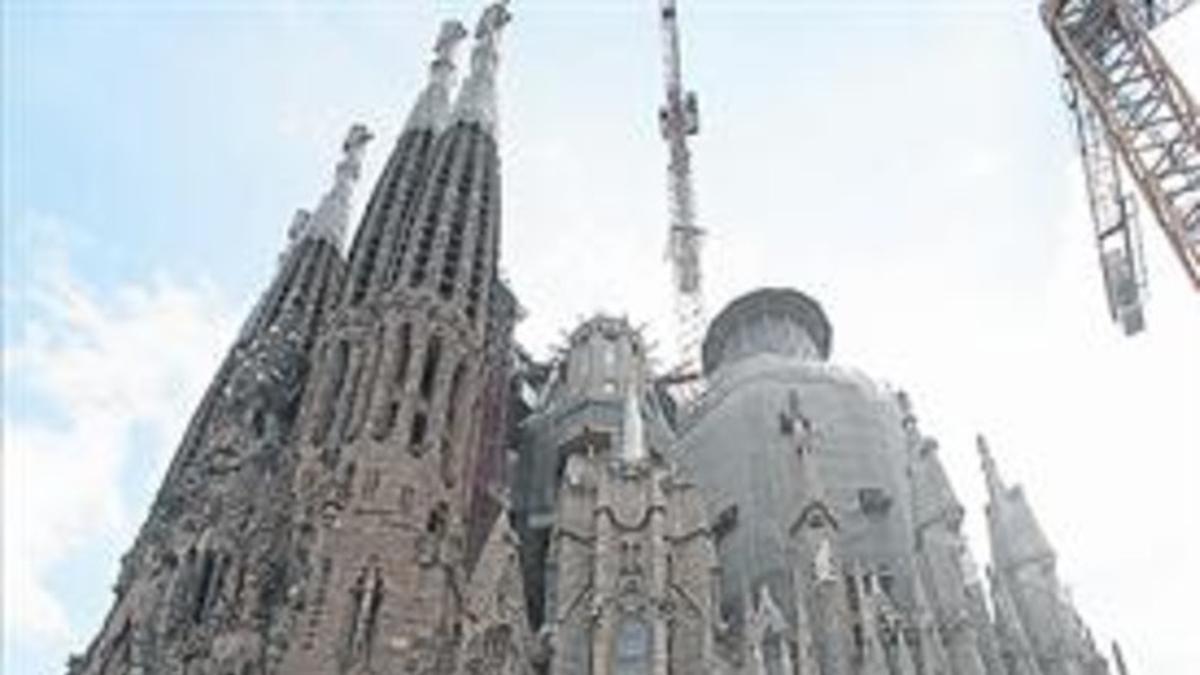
395,412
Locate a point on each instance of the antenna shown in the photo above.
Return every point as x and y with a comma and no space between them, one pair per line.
679,118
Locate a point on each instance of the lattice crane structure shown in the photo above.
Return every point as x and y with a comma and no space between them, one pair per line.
1129,104
679,118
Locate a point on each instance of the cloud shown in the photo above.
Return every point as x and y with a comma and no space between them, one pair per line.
96,383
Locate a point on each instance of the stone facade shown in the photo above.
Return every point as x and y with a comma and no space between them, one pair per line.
379,480
630,567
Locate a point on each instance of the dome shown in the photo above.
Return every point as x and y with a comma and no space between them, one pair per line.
781,321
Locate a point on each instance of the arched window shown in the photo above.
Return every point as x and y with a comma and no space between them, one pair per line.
632,647
416,434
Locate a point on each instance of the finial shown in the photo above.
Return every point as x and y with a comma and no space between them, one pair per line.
433,106
477,99
495,16
450,35
330,219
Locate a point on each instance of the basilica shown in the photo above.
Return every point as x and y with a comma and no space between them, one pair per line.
381,480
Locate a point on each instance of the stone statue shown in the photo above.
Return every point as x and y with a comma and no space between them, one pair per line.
823,567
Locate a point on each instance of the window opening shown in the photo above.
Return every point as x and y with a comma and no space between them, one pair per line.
433,354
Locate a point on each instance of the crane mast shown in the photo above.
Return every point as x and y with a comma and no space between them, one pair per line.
678,118
1130,108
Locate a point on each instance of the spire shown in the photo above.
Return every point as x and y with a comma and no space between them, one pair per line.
1010,629
995,485
633,444
477,100
332,215
433,105
387,219
1015,533
1119,658
933,497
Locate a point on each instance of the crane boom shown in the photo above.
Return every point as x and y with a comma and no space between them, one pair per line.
678,118
1114,216
1129,104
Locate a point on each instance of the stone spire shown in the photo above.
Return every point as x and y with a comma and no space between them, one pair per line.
1015,646
332,215
311,268
432,109
1016,536
1026,585
219,514
477,100
991,474
387,220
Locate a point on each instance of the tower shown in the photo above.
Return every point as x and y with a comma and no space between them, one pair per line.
1037,617
630,565
393,418
203,584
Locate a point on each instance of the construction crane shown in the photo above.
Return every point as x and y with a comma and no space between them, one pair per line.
1129,104
679,118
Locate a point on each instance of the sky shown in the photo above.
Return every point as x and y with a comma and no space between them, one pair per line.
908,163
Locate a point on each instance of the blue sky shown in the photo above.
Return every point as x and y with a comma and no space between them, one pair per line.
909,163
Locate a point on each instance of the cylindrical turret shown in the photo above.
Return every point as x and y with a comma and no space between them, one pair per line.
774,410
